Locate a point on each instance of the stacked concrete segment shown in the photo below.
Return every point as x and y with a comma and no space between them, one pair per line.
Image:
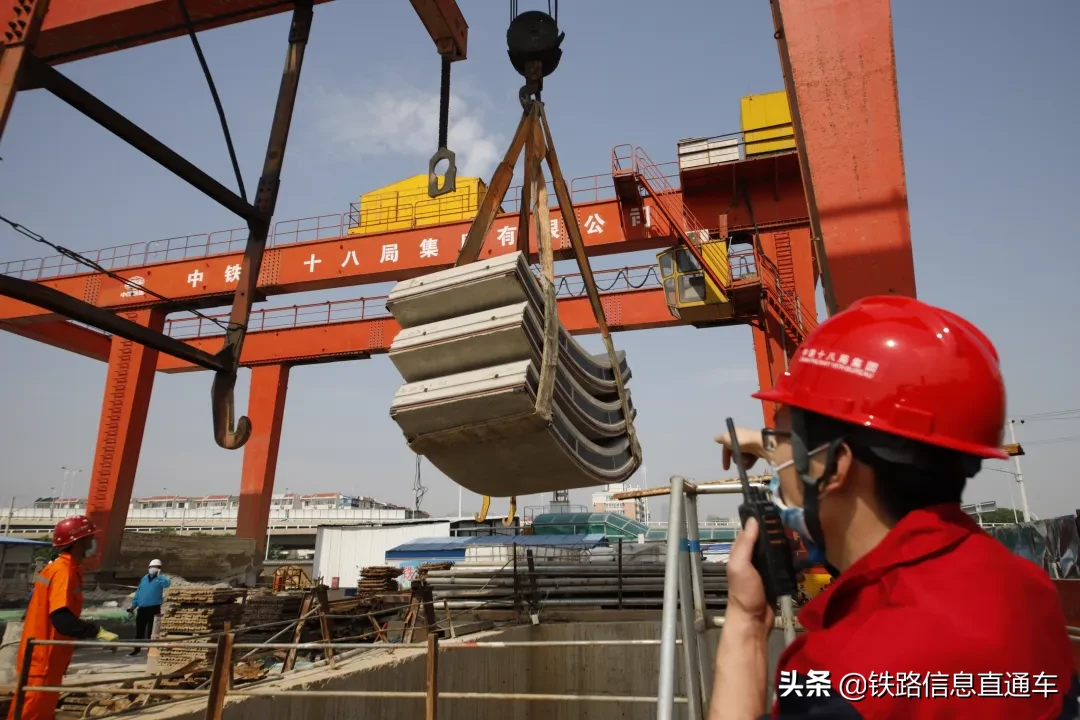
470,352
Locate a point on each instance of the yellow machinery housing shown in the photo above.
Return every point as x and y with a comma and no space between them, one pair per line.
767,111
405,205
691,295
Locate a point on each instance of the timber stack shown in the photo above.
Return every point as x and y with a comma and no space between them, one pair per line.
267,608
190,613
378,579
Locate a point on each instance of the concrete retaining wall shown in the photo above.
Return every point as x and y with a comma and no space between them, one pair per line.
565,670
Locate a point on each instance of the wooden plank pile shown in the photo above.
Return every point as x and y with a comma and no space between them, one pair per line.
265,607
378,579
192,677
194,610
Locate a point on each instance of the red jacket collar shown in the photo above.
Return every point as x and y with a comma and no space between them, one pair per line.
920,534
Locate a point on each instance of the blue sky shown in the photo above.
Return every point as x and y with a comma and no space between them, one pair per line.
988,102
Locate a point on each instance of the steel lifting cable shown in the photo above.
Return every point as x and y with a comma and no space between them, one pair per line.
82,260
217,99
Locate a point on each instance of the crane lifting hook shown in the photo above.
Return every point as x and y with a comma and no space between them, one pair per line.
223,406
533,41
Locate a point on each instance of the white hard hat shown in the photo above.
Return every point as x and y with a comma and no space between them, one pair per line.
155,563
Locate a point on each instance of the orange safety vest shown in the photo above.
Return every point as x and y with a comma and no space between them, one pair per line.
58,585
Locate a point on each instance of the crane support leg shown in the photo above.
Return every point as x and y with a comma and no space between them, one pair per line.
840,74
128,385
769,358
792,253
266,407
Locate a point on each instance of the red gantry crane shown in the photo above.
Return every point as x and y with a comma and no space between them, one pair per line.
837,207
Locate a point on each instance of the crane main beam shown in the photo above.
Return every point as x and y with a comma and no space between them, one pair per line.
77,29
336,259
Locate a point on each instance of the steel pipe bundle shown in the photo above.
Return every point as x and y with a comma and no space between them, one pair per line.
558,583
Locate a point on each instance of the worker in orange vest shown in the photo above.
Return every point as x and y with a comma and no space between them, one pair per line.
886,411
56,603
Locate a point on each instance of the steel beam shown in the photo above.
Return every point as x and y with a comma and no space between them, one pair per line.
62,87
58,302
643,309
66,336
446,26
336,259
18,35
76,29
841,85
124,407
266,407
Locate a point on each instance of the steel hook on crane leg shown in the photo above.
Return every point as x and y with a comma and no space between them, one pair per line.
482,515
223,406
512,513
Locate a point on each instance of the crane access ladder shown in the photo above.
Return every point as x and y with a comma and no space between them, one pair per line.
707,283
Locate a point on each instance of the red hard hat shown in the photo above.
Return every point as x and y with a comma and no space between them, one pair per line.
903,367
71,529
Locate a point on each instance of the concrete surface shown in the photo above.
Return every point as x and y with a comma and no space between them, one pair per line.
496,337
468,360
500,281
540,460
627,670
493,337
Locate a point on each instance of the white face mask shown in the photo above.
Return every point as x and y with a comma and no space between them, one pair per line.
154,571
91,549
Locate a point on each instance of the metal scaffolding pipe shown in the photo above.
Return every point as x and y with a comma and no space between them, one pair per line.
402,695
614,581
575,602
700,585
686,620
665,706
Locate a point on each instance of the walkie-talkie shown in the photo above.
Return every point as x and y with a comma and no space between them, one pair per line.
772,554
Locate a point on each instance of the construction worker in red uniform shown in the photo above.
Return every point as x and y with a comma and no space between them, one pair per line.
56,603
885,412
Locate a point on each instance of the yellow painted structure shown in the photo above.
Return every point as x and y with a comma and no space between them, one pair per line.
766,111
814,583
691,294
405,205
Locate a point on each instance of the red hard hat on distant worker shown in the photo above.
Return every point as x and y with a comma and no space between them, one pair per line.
71,529
903,367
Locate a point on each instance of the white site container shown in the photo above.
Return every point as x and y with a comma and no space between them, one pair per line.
342,551
702,152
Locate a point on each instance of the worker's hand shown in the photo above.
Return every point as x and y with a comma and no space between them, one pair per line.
105,636
131,609
751,444
746,592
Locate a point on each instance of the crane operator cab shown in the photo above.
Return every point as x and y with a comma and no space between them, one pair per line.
692,295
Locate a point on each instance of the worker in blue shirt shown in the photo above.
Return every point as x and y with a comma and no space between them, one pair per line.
147,602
